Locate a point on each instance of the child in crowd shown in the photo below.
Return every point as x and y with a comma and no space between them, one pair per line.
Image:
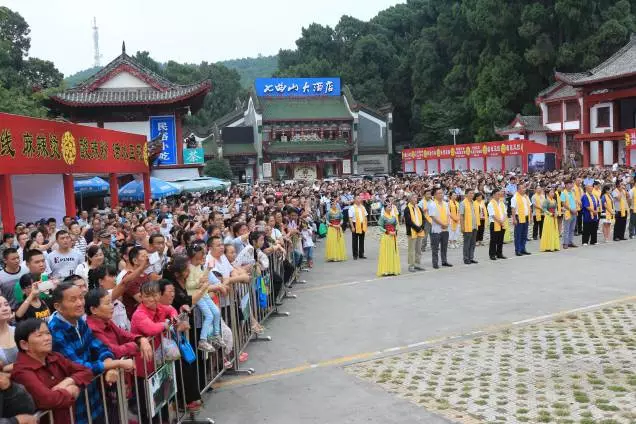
307,234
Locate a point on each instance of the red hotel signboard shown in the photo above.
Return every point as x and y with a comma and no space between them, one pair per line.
40,146
476,150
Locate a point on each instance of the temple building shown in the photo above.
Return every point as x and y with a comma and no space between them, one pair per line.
127,96
587,115
304,128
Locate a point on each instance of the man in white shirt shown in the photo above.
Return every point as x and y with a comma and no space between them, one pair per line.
521,216
358,224
157,259
497,216
440,216
65,259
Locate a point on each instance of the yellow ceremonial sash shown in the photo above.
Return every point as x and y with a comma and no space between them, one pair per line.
521,208
495,207
426,215
623,203
568,212
577,197
453,206
443,217
361,220
589,199
468,216
634,200
538,206
416,216
477,206
609,207
558,200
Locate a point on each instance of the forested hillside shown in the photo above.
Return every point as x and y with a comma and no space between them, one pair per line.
250,68
468,64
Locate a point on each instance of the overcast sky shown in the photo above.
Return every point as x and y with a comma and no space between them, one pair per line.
185,31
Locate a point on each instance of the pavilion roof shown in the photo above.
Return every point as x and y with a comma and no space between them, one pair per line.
620,64
529,123
159,91
304,108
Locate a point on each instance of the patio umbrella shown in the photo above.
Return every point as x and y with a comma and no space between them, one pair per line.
213,184
93,185
134,190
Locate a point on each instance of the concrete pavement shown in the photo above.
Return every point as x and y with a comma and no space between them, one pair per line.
345,313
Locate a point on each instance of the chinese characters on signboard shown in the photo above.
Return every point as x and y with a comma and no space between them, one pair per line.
164,126
31,145
297,87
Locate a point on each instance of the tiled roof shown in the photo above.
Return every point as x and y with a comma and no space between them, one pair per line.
530,123
238,149
160,90
621,63
304,108
554,92
210,148
309,147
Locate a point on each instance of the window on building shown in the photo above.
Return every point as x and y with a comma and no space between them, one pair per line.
572,111
554,113
603,117
554,140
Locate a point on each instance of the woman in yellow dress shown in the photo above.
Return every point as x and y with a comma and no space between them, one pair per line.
550,235
335,244
388,258
508,231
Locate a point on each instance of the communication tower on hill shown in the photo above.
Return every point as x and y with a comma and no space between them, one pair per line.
97,56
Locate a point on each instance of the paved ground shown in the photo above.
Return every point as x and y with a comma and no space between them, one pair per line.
346,315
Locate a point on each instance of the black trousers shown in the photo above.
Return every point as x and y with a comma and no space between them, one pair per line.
537,228
495,248
579,223
619,227
480,230
590,230
357,241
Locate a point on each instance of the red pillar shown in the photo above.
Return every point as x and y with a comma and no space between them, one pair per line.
147,194
6,203
179,135
524,164
586,153
69,195
503,162
439,166
485,164
601,153
114,190
453,164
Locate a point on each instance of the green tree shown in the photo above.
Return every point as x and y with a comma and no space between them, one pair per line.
218,168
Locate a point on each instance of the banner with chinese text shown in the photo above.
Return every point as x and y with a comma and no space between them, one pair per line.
493,148
42,146
164,126
297,87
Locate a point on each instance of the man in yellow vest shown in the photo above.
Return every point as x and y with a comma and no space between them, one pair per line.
358,223
423,204
632,203
469,222
521,215
537,204
497,216
414,223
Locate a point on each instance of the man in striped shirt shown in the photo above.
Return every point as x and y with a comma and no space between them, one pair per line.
79,242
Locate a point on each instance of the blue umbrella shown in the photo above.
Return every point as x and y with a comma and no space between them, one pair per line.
92,185
134,190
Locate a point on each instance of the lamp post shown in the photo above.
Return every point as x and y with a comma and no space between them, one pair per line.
454,132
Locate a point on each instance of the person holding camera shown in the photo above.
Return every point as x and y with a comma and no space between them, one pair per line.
33,306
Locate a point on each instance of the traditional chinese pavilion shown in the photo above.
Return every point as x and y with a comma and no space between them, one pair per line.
127,96
588,114
304,128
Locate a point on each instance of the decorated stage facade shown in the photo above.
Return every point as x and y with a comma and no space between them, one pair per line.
38,158
487,156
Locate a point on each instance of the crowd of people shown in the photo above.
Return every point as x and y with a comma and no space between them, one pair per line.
88,296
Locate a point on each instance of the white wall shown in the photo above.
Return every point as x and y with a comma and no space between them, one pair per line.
420,167
432,165
513,162
571,125
461,164
124,80
409,166
477,163
541,138
554,127
371,164
493,162
515,136
137,127
446,164
594,118
88,124
45,198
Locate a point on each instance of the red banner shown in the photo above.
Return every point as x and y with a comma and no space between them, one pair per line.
475,150
41,146
630,139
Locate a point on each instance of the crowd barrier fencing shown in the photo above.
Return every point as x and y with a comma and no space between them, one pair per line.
163,386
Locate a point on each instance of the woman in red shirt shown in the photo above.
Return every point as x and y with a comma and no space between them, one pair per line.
53,381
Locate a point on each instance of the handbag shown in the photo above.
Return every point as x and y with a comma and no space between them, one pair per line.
322,229
187,352
167,351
